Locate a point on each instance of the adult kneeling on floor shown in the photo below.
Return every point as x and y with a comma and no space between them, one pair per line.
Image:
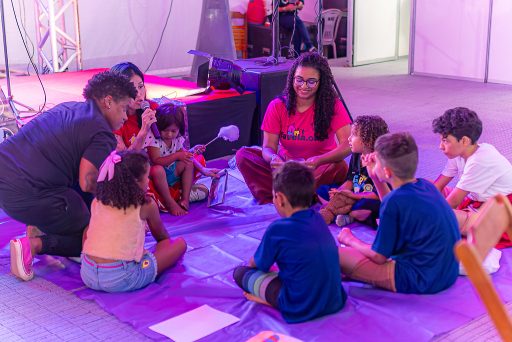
49,169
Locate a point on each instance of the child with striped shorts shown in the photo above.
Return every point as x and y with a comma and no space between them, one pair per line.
308,283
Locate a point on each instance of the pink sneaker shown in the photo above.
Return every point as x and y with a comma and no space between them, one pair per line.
21,259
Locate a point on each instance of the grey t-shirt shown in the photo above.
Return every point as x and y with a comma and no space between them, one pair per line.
46,153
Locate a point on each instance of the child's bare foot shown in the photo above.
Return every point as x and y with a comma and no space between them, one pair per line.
345,237
177,210
255,299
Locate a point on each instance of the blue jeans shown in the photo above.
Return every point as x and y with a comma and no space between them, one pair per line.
119,276
170,173
301,34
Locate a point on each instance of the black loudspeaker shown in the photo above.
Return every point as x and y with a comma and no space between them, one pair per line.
268,82
202,75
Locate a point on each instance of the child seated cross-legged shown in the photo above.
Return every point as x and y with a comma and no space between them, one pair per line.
413,249
484,172
357,198
113,256
179,164
308,284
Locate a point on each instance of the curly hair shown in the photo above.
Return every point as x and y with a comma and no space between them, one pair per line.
122,191
325,97
110,83
369,128
297,183
169,114
399,152
459,122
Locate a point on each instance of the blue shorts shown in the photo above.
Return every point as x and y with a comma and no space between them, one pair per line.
170,173
119,276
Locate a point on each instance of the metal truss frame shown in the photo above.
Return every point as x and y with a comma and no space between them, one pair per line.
52,35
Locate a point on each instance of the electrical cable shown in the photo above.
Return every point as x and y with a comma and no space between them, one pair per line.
291,50
31,62
23,11
161,37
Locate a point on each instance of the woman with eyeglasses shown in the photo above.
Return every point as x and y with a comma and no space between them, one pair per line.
307,123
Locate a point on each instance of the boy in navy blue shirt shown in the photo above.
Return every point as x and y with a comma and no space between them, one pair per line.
308,284
413,249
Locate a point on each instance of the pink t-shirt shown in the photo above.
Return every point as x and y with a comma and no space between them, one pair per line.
297,132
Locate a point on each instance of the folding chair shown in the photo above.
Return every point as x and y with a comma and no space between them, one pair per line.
494,218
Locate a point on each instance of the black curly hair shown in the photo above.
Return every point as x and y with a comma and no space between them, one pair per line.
399,152
169,114
459,122
369,128
110,83
122,191
297,183
325,97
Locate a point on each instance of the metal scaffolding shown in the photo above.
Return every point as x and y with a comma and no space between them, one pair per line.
62,47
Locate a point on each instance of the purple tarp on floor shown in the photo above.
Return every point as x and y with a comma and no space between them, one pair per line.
223,237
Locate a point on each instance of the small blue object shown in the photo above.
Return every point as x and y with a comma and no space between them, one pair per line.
232,163
272,338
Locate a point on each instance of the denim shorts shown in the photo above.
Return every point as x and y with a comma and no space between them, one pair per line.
170,173
119,276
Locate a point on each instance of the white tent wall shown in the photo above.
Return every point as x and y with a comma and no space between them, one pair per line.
450,38
500,53
404,28
376,30
121,30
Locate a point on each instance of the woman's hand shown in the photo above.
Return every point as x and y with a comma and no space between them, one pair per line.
276,161
148,118
210,172
198,149
312,162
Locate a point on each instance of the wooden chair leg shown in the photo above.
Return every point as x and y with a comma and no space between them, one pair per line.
483,284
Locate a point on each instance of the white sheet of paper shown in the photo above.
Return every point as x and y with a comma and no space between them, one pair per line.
194,324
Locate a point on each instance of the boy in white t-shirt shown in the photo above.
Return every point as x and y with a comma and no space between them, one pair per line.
484,172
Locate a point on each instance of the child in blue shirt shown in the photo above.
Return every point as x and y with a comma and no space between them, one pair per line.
308,284
413,249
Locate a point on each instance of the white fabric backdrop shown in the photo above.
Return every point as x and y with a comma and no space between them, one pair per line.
119,30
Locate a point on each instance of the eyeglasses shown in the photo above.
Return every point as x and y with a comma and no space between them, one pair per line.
310,82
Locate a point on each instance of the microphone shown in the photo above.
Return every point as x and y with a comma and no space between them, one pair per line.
145,105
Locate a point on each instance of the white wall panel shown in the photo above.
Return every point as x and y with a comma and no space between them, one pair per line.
451,38
405,24
375,30
500,54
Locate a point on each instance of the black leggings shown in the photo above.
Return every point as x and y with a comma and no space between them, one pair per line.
62,214
263,285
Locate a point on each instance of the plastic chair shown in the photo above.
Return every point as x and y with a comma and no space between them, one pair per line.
332,18
493,219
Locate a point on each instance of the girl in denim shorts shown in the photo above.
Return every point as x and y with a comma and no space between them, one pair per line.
113,257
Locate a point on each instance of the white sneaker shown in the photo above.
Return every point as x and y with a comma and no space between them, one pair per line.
343,220
198,192
78,260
